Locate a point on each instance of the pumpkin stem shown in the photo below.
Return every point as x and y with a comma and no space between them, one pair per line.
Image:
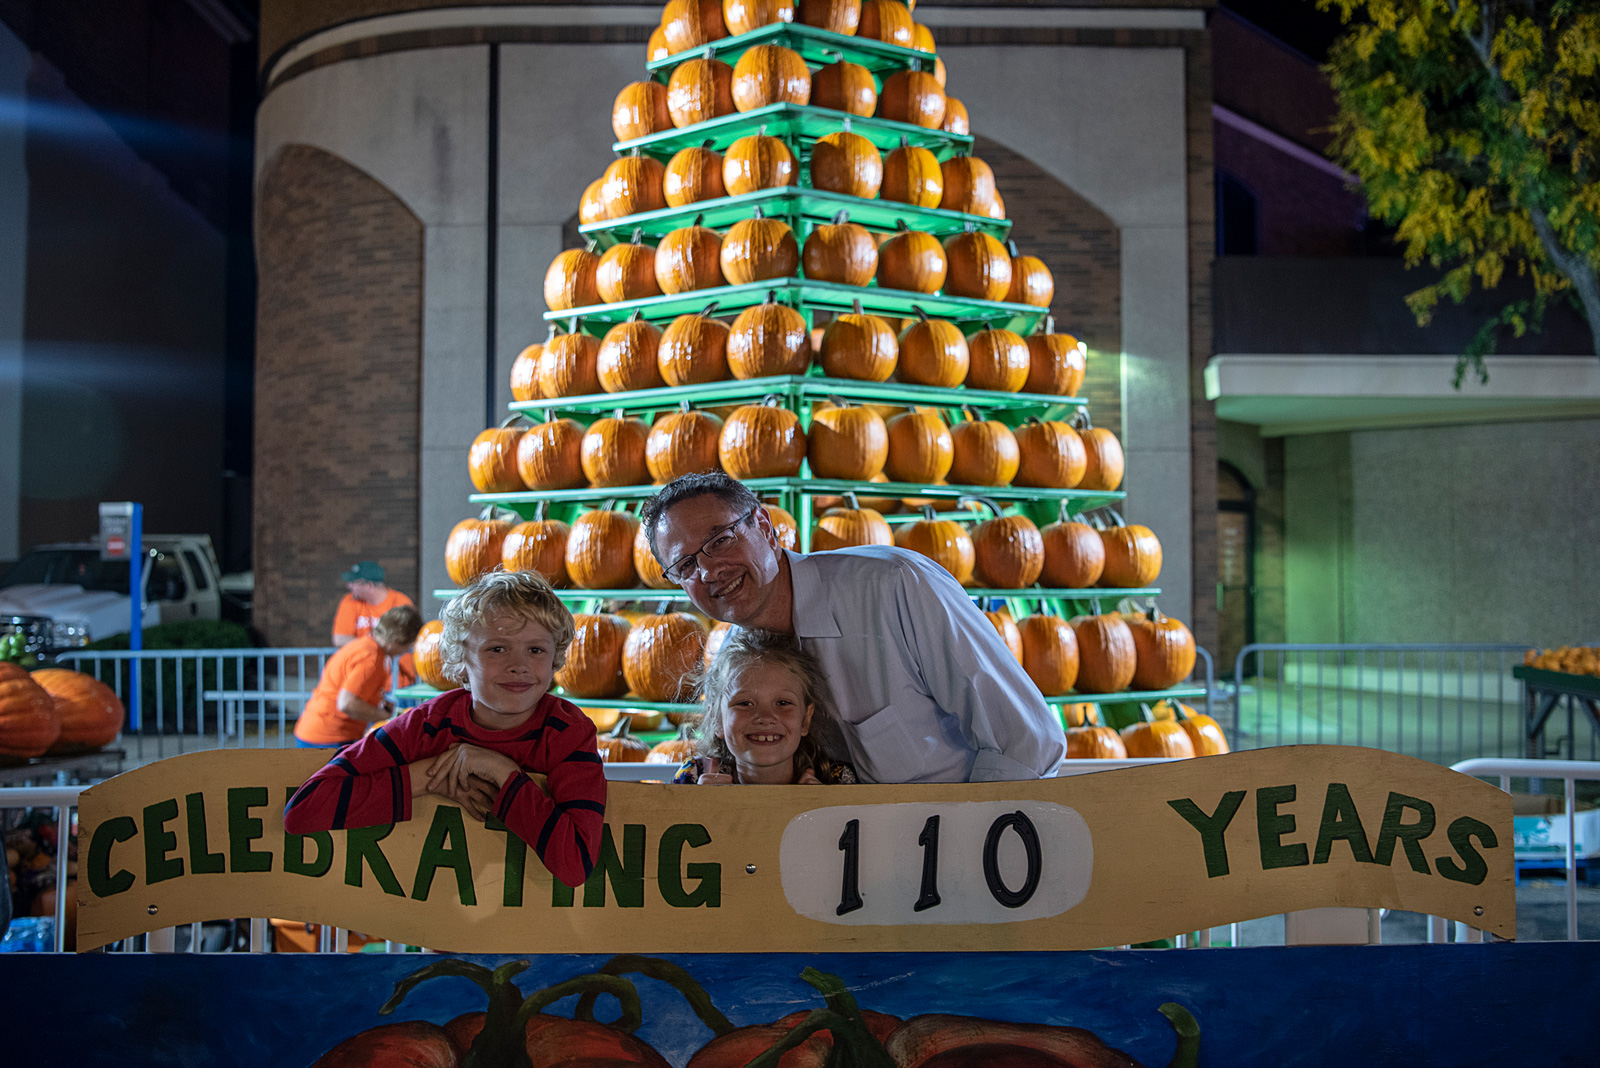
499,1043
841,218
917,307
667,972
572,325
771,400
928,513
988,502
638,313
511,420
850,499
855,306
772,296
621,989
1187,1028
638,235
701,218
710,309
1011,246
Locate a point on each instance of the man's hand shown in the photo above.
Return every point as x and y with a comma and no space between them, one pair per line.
714,775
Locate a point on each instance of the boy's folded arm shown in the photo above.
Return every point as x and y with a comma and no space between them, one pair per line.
560,817
339,797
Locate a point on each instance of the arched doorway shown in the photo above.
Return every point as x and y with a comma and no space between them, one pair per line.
1236,565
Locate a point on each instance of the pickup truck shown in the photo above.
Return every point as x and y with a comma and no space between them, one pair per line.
63,597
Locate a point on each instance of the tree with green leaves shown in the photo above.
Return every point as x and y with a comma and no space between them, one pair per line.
1474,127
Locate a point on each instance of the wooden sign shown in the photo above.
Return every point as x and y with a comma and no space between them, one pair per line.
1093,860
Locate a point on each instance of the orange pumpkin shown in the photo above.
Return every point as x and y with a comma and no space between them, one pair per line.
1133,555
591,206
933,352
429,657
689,24
90,712
914,97
1008,551
1049,653
700,89
968,186
770,74
742,16
594,659
846,441
859,346
914,261
944,541
1092,741
671,751
888,21
693,174
647,566
1103,455
758,248
1106,657
846,163
629,355
762,441
29,722
681,443
841,528
640,110
983,452
719,634
1165,651
1055,362
1031,281
1006,627
689,258
525,373
846,87
474,545
920,447
492,459
956,120
569,366
612,452
571,281
632,185
1052,454
784,526
657,49
550,455
1157,738
1205,733
662,656
999,361
539,545
837,16
620,746
628,272
912,175
758,162
768,339
1074,554
693,350
600,550
840,252
978,267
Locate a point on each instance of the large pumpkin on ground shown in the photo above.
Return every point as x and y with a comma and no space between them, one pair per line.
594,659
662,656
429,657
600,550
90,712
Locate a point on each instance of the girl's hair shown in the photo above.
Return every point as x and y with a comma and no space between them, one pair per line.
499,593
740,650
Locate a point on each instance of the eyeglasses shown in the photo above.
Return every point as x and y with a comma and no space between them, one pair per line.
716,547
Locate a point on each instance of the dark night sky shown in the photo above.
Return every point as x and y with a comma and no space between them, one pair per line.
1295,22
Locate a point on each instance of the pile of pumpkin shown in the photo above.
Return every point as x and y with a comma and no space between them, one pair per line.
55,712
845,441
1170,729
772,339
1572,659
606,549
1105,653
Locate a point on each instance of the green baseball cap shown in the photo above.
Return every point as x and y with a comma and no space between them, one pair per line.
365,571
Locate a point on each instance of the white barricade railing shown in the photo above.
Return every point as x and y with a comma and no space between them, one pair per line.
1570,772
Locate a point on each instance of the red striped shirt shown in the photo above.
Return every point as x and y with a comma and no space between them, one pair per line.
368,784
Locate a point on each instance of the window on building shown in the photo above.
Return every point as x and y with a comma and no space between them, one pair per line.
1237,217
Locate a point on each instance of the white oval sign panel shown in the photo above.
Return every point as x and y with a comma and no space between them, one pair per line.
979,862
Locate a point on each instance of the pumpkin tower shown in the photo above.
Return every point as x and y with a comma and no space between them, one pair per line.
796,271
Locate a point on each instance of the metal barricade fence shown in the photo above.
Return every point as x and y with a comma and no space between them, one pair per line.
192,699
1436,702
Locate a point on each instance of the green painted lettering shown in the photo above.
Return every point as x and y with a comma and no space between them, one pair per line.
625,872
445,847
362,851
1272,825
244,828
158,842
101,882
1474,869
294,850
201,861
1341,823
1395,829
516,864
1212,828
670,869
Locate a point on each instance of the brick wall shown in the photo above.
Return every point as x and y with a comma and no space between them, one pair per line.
338,363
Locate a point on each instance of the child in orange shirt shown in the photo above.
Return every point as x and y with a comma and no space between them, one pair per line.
349,695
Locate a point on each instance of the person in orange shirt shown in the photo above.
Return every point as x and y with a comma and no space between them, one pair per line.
360,608
349,695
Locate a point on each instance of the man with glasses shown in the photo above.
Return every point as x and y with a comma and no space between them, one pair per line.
927,690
